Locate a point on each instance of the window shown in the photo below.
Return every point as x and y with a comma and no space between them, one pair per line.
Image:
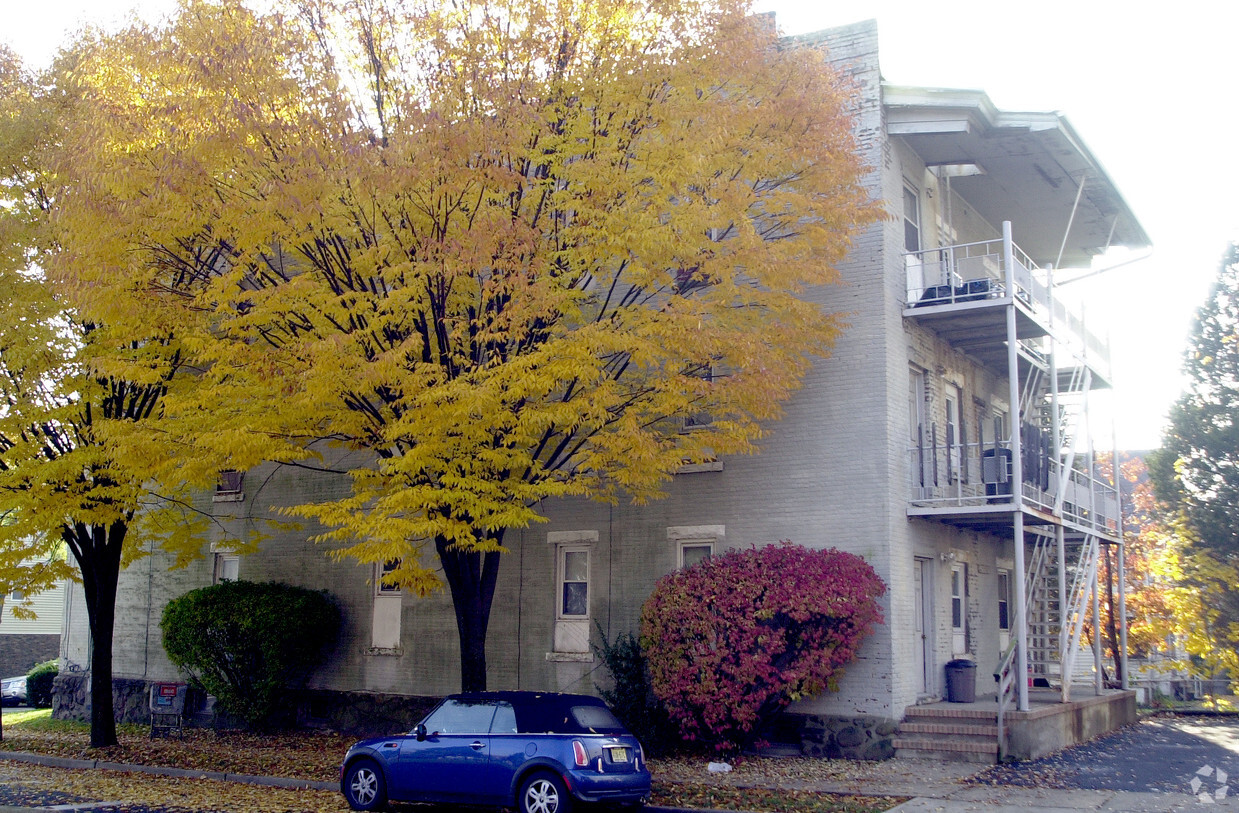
572,562
229,488
385,611
953,432
911,218
381,572
691,544
918,434
697,420
959,619
461,717
227,567
693,551
957,597
573,582
1004,601
505,719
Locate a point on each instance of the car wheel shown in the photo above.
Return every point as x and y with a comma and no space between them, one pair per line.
364,786
544,793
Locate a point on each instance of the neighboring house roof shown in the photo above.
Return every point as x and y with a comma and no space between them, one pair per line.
1040,154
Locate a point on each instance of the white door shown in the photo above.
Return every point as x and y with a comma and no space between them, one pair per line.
922,645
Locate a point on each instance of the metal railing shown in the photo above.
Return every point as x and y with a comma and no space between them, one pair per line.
947,472
977,272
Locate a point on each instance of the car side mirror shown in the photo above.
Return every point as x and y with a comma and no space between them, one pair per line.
420,731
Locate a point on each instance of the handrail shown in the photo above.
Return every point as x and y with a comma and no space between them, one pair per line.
1004,675
971,272
1006,682
968,472
1081,590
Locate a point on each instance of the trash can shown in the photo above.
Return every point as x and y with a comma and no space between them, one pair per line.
961,681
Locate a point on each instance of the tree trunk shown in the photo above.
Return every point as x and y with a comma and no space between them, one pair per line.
1113,630
471,577
97,550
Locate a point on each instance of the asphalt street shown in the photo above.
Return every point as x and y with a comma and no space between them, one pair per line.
1158,755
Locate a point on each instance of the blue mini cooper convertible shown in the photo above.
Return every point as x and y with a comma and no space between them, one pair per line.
540,752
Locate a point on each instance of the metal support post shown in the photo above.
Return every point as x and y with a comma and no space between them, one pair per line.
1017,472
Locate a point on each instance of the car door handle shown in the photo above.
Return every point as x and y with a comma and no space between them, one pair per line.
477,745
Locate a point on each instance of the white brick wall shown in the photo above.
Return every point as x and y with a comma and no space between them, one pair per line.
832,473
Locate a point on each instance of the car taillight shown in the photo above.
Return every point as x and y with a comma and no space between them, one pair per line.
578,751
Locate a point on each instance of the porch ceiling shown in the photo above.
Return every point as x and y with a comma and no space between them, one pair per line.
1033,164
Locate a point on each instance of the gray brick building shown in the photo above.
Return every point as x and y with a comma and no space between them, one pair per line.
944,428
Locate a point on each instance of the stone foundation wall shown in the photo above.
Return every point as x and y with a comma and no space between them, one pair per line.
356,713
18,653
834,737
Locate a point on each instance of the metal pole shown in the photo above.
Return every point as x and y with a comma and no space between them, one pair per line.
1056,428
1095,548
1098,684
1064,601
1122,567
1017,472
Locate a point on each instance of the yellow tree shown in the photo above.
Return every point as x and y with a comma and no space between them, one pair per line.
27,564
1177,593
79,402
503,247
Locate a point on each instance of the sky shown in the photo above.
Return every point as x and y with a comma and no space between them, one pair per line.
1149,90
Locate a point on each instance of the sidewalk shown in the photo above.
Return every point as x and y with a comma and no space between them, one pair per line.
934,787
941,787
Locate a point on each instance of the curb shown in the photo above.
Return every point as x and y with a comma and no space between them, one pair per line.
180,773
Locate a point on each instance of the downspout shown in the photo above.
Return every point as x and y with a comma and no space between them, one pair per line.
1017,472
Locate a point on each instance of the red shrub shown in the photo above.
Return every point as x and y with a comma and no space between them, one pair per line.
731,641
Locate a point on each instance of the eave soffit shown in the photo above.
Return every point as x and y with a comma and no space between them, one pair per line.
1033,164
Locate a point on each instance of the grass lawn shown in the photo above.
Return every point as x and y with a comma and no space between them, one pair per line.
767,783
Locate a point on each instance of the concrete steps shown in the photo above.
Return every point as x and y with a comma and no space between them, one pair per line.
966,734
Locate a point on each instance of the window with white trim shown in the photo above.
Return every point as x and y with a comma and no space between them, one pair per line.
573,581
385,610
959,609
1004,600
381,572
694,543
911,218
952,439
693,551
701,420
227,567
573,563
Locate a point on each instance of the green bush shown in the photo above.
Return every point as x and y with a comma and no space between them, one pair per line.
248,643
39,684
632,697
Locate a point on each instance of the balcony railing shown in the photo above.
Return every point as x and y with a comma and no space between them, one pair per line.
977,272
945,472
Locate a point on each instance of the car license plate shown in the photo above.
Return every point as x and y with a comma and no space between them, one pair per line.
619,754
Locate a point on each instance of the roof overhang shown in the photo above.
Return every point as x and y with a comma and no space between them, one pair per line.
1025,167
